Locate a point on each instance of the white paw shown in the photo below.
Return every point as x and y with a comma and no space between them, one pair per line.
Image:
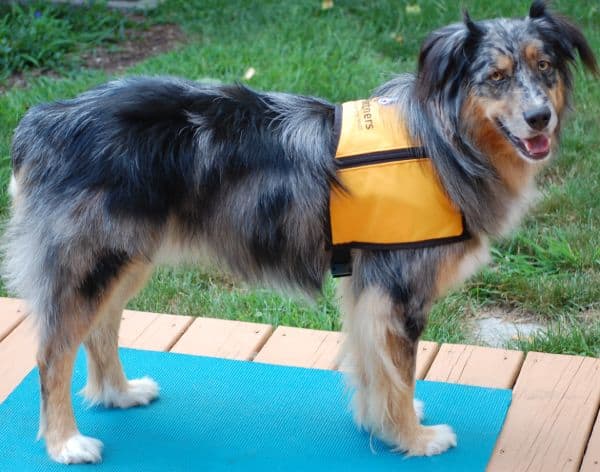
79,449
139,392
431,440
419,407
443,439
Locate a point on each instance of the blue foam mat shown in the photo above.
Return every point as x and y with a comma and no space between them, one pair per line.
220,415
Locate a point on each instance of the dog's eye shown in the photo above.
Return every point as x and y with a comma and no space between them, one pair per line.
497,76
543,66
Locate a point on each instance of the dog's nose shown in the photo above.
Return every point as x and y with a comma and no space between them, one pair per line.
538,118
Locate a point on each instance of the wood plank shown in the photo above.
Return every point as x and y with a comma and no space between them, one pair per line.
132,324
140,330
223,338
17,356
12,312
302,348
591,460
320,349
152,331
476,365
555,401
426,353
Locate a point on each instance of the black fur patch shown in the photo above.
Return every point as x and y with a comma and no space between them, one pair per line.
107,267
538,9
269,240
414,326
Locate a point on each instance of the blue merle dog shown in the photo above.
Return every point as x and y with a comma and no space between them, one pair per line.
142,170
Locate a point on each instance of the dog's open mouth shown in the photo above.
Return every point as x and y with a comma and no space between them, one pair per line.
536,147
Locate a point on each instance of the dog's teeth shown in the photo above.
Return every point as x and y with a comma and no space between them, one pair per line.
537,145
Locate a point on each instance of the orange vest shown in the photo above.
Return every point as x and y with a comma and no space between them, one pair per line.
392,197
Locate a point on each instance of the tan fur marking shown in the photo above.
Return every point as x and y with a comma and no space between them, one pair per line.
557,95
56,360
56,368
512,169
504,64
532,52
458,266
104,366
382,366
381,363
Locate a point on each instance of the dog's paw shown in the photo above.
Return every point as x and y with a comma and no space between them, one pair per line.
139,392
419,407
432,440
78,449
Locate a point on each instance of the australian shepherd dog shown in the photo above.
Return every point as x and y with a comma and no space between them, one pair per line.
111,183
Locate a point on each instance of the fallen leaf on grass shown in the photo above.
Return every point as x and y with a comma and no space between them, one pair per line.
413,9
326,4
397,37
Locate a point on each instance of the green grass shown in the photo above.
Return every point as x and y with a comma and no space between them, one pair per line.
43,36
566,335
198,292
550,267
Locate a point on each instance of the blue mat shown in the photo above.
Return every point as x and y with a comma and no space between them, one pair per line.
220,415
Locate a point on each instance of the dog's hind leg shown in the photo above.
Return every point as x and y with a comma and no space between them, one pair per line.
107,383
55,358
90,313
380,356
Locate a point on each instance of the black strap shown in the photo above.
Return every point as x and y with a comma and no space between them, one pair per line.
341,261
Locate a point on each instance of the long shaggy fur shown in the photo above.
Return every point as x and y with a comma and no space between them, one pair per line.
104,185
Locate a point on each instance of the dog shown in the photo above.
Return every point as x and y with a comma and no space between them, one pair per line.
110,183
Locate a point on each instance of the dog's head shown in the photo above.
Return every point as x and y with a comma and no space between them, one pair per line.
507,81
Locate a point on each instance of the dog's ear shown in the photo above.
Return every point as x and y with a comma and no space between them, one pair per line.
537,9
475,30
475,34
564,35
445,56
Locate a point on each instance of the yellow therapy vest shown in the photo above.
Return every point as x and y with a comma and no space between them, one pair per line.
392,197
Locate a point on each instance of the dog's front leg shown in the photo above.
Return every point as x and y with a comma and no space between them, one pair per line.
380,355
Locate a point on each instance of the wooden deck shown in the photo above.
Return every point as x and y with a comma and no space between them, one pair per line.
552,425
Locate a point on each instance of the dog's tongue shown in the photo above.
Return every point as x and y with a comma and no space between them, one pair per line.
538,146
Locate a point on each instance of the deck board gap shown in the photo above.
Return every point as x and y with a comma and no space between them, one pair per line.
177,337
12,314
517,372
584,457
262,343
7,333
428,362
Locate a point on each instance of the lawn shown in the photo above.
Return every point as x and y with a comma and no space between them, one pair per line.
549,269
